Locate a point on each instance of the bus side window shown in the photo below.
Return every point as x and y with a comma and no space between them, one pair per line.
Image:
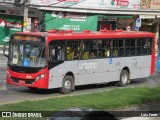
77,55
115,52
104,48
86,55
107,52
92,54
70,53
74,49
100,53
61,53
150,46
52,55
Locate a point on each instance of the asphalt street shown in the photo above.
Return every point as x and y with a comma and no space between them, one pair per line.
12,94
3,63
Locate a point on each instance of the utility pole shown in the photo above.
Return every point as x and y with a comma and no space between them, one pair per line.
26,6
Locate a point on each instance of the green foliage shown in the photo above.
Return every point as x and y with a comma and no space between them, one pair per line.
102,100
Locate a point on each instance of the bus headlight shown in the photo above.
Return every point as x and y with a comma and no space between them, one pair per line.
8,74
40,77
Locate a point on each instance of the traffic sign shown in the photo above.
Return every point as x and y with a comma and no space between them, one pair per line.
138,22
136,28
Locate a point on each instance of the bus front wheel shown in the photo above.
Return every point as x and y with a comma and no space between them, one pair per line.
124,78
67,85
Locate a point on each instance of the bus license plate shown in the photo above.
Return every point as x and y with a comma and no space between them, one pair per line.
22,81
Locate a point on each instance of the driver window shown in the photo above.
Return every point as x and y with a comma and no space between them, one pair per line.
57,51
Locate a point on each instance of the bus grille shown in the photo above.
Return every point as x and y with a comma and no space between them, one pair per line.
17,80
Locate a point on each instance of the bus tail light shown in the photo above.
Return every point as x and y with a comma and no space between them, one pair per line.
40,76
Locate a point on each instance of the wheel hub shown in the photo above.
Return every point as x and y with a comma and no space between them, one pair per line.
67,84
124,78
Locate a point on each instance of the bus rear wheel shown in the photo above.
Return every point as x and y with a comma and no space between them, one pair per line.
124,78
67,85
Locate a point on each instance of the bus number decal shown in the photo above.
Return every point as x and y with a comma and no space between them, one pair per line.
110,60
88,65
26,63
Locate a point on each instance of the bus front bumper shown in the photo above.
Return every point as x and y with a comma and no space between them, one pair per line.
28,80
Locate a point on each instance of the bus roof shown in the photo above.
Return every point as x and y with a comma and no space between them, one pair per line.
86,34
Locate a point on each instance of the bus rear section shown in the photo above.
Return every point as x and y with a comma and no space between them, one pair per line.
27,63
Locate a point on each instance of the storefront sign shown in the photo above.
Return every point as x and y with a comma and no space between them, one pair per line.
140,4
138,22
18,11
150,4
120,2
155,4
7,1
9,25
145,4
124,4
89,3
28,25
70,21
136,28
14,12
123,22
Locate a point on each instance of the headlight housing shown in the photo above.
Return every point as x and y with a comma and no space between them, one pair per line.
8,73
40,76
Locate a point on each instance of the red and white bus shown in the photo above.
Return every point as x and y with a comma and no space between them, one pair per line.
65,59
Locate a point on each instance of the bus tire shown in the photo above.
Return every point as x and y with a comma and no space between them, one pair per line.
67,85
124,78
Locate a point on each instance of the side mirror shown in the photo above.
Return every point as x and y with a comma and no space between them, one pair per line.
6,49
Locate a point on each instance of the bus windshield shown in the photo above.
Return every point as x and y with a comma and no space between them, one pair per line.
27,54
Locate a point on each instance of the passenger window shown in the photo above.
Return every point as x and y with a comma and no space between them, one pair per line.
118,48
149,46
74,50
85,55
142,46
130,49
90,49
104,48
92,54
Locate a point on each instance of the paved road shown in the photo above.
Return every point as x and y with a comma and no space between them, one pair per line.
3,63
11,93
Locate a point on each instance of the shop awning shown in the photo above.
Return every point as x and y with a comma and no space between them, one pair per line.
115,16
147,16
103,10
